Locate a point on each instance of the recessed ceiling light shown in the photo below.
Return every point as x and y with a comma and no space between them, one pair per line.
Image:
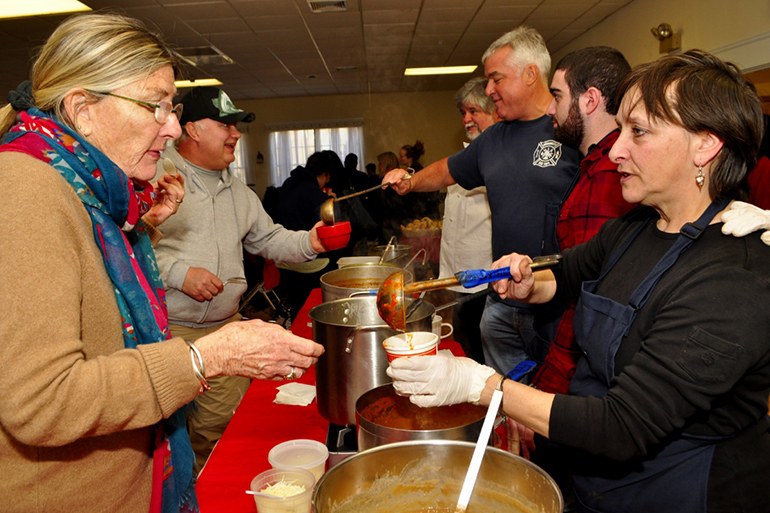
180,84
203,56
16,9
439,70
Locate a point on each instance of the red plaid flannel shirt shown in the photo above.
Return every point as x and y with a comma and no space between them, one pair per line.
759,180
596,198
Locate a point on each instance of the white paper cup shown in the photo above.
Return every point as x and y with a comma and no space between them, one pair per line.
300,503
303,454
437,326
417,343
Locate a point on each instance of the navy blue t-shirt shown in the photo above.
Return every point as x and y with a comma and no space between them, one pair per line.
527,174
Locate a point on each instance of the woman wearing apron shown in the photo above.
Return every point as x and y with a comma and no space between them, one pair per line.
667,411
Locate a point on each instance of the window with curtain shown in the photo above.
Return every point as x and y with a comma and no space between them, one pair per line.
291,148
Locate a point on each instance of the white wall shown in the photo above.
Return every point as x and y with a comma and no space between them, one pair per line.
737,30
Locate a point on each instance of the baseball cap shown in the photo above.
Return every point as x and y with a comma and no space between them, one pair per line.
212,102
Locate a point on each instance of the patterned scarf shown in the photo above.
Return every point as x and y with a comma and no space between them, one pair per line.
115,208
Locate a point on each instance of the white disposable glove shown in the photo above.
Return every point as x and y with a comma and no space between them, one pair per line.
743,218
439,380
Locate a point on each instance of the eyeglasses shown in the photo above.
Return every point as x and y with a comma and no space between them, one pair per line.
162,109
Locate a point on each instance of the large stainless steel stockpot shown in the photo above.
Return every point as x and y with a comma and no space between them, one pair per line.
427,475
341,283
384,417
397,254
354,360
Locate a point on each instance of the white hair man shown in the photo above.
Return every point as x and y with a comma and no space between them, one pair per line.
527,174
466,237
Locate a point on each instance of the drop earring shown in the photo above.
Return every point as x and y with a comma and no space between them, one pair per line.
700,178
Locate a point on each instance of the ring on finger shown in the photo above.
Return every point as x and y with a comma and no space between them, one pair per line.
292,375
178,201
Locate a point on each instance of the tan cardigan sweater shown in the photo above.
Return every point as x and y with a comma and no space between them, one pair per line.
76,408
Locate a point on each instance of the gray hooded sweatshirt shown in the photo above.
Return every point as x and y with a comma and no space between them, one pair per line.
211,231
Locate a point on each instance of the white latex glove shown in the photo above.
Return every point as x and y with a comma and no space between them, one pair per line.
439,380
743,218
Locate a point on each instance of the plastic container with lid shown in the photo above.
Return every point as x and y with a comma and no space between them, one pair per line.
303,454
298,503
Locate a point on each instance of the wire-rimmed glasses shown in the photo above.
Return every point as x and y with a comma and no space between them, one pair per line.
162,109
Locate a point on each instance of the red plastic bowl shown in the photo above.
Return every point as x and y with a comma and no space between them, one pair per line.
335,236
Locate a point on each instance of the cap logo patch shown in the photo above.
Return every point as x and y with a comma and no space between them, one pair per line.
224,105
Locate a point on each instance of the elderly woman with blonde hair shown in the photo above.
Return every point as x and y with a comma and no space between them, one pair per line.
92,412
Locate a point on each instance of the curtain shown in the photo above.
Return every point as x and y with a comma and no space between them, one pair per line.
291,148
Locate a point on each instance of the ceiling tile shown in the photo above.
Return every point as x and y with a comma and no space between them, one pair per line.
441,4
392,4
276,43
284,22
219,26
333,19
208,11
264,7
388,16
500,13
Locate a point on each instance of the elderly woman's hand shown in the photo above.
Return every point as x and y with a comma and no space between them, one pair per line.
439,380
169,194
257,349
743,218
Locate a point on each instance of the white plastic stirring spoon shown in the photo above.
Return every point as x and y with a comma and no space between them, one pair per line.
252,492
478,452
169,166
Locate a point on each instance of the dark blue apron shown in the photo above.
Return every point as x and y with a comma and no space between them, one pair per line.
676,479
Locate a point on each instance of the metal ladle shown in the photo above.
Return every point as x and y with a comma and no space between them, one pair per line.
327,207
385,251
390,296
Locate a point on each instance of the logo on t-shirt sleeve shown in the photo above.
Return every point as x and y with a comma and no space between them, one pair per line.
547,154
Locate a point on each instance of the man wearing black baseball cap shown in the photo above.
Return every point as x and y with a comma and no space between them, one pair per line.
213,103
202,248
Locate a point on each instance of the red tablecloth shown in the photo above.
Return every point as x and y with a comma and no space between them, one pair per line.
257,426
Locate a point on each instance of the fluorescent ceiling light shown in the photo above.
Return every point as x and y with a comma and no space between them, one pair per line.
197,83
440,70
17,9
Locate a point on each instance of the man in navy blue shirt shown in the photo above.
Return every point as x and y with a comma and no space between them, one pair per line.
527,174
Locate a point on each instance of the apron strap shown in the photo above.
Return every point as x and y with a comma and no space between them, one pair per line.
689,233
619,253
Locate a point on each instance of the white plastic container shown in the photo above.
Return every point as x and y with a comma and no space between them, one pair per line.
299,503
357,260
303,454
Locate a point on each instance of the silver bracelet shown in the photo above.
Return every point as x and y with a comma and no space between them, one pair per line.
499,387
198,367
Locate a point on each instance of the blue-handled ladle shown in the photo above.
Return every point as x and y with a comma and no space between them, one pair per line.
390,296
